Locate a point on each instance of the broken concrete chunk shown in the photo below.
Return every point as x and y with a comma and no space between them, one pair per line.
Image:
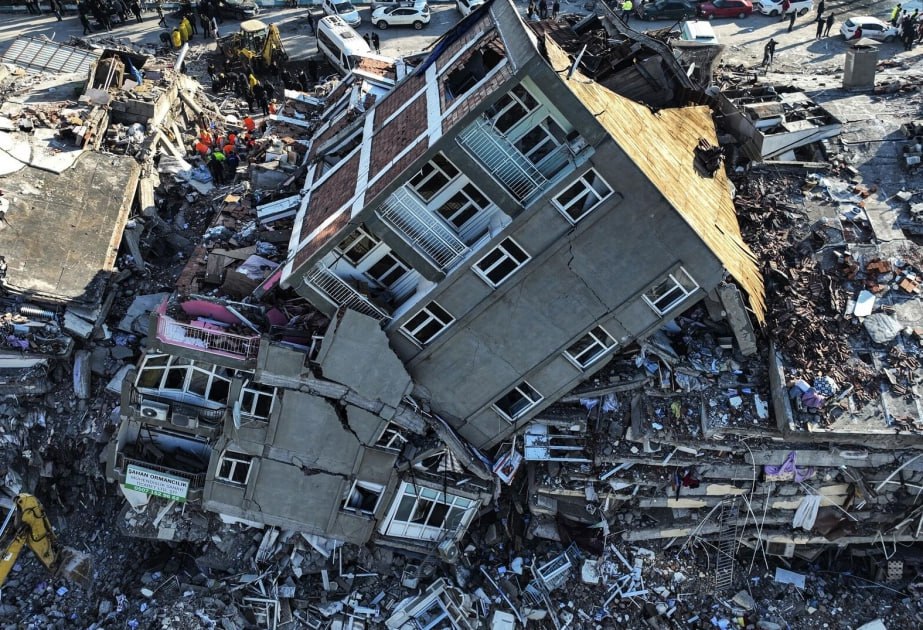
882,328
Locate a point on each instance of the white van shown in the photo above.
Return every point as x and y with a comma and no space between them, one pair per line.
698,31
340,43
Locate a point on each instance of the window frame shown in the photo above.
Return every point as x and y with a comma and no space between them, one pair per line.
364,233
580,197
501,246
367,486
597,340
494,115
684,292
431,317
194,371
421,529
533,402
257,393
398,263
437,169
235,458
390,434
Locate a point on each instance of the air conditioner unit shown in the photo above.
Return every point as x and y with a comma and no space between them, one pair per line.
184,420
154,410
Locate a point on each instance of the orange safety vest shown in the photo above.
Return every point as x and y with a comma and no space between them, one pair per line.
249,124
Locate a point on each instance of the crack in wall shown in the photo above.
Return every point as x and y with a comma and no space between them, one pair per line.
570,248
339,408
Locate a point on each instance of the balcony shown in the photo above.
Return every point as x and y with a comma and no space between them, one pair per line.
340,293
411,219
207,337
499,157
175,413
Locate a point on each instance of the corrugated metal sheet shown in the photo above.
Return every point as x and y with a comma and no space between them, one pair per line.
41,54
662,146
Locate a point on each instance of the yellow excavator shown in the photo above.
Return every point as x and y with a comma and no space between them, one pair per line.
257,44
27,525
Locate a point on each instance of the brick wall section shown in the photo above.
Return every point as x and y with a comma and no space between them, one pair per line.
397,97
472,100
394,137
396,172
338,125
308,249
474,33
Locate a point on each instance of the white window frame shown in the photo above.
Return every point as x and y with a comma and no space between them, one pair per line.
681,291
436,169
577,201
397,263
367,486
600,339
503,247
549,137
362,234
209,370
453,191
392,438
521,388
235,459
514,99
430,316
257,393
421,495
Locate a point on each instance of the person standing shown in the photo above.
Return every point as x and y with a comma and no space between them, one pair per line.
57,9
530,10
627,7
820,26
310,18
376,42
542,10
786,5
895,13
136,9
555,9
791,22
769,51
820,8
829,25
85,21
163,18
32,8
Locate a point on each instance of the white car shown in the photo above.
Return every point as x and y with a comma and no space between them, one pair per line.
415,16
467,6
344,9
871,27
774,7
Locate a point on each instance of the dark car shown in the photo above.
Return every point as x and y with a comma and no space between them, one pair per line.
668,10
238,9
726,9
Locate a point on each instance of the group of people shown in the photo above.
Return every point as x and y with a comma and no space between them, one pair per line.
222,152
103,10
34,7
373,41
541,8
245,86
823,24
909,26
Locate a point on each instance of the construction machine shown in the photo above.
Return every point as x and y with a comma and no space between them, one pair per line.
27,525
256,44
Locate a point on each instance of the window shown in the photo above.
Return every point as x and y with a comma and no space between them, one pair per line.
428,323
469,71
433,177
203,381
591,347
582,196
427,514
463,206
256,400
501,262
388,270
670,291
357,245
518,401
392,438
541,140
363,497
234,468
511,108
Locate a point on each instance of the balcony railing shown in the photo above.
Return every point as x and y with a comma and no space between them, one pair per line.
207,339
196,480
504,161
421,228
340,293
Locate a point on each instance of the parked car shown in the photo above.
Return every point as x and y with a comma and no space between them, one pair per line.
726,9
698,32
238,9
871,27
391,4
415,16
774,7
467,6
668,10
343,9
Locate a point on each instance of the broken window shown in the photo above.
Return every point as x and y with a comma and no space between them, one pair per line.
501,262
433,177
579,199
363,497
256,400
392,438
357,245
670,291
429,322
590,348
234,468
203,381
463,206
471,69
427,514
388,270
511,108
518,401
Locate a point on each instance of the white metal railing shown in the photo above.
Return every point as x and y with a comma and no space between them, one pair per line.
410,217
502,159
210,340
340,293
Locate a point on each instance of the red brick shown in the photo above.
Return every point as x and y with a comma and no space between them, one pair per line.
397,171
394,137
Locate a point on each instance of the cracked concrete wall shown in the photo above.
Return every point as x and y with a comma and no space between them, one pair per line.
580,276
